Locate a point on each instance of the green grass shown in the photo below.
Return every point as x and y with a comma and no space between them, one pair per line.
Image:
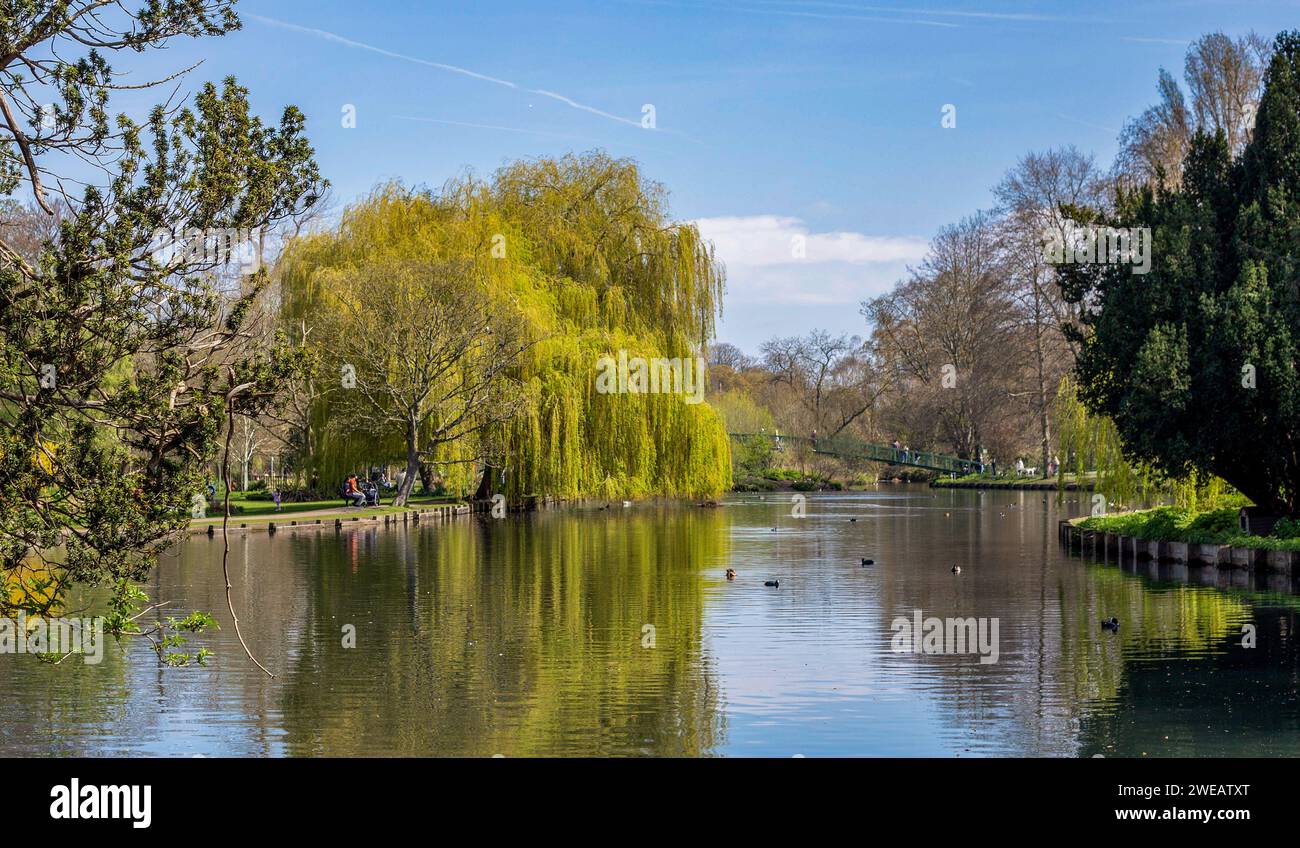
1013,478
243,508
1195,527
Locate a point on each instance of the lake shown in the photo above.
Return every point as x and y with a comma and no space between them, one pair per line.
586,632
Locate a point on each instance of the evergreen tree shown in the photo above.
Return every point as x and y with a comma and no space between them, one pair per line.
1196,361
120,357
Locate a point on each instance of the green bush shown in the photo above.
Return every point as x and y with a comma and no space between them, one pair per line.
1287,528
751,455
1209,527
753,484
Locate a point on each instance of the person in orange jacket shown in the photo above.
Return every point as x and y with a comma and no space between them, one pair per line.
353,492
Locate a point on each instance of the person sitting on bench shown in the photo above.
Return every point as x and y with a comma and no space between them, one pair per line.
353,492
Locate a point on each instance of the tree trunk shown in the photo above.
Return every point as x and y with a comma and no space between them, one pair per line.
1044,421
412,466
485,483
1046,425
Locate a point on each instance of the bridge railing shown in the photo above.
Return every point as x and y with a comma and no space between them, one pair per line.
849,447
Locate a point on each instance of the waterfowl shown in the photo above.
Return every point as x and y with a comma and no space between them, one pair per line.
773,529
851,520
956,569
772,583
866,561
1112,624
731,574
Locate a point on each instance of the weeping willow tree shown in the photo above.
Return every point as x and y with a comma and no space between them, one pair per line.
582,250
1092,443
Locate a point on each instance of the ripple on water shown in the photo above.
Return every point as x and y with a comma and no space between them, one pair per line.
529,637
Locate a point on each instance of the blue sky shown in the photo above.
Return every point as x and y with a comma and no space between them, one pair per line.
773,119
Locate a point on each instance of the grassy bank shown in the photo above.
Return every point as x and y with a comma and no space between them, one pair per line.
785,479
1204,527
778,480
244,508
988,481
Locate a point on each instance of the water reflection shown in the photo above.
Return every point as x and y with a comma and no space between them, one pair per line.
615,633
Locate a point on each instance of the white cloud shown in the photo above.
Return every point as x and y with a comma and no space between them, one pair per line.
764,240
838,268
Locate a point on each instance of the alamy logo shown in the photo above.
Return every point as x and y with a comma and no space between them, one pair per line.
211,246
1076,244
75,801
919,635
83,636
658,375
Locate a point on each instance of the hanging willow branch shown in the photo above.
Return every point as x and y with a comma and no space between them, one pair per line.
225,517
583,250
1091,443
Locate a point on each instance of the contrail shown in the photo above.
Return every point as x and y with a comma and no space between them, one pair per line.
338,39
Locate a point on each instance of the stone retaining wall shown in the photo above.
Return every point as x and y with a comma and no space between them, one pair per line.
1111,546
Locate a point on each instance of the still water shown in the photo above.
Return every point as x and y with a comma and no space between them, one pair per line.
581,632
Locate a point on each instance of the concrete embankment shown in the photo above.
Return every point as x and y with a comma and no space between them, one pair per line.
1234,564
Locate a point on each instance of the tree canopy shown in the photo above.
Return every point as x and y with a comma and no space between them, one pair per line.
581,248
119,360
1195,362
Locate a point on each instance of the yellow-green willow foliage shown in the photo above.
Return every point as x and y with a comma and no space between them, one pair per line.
582,586
582,247
1091,443
1199,620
